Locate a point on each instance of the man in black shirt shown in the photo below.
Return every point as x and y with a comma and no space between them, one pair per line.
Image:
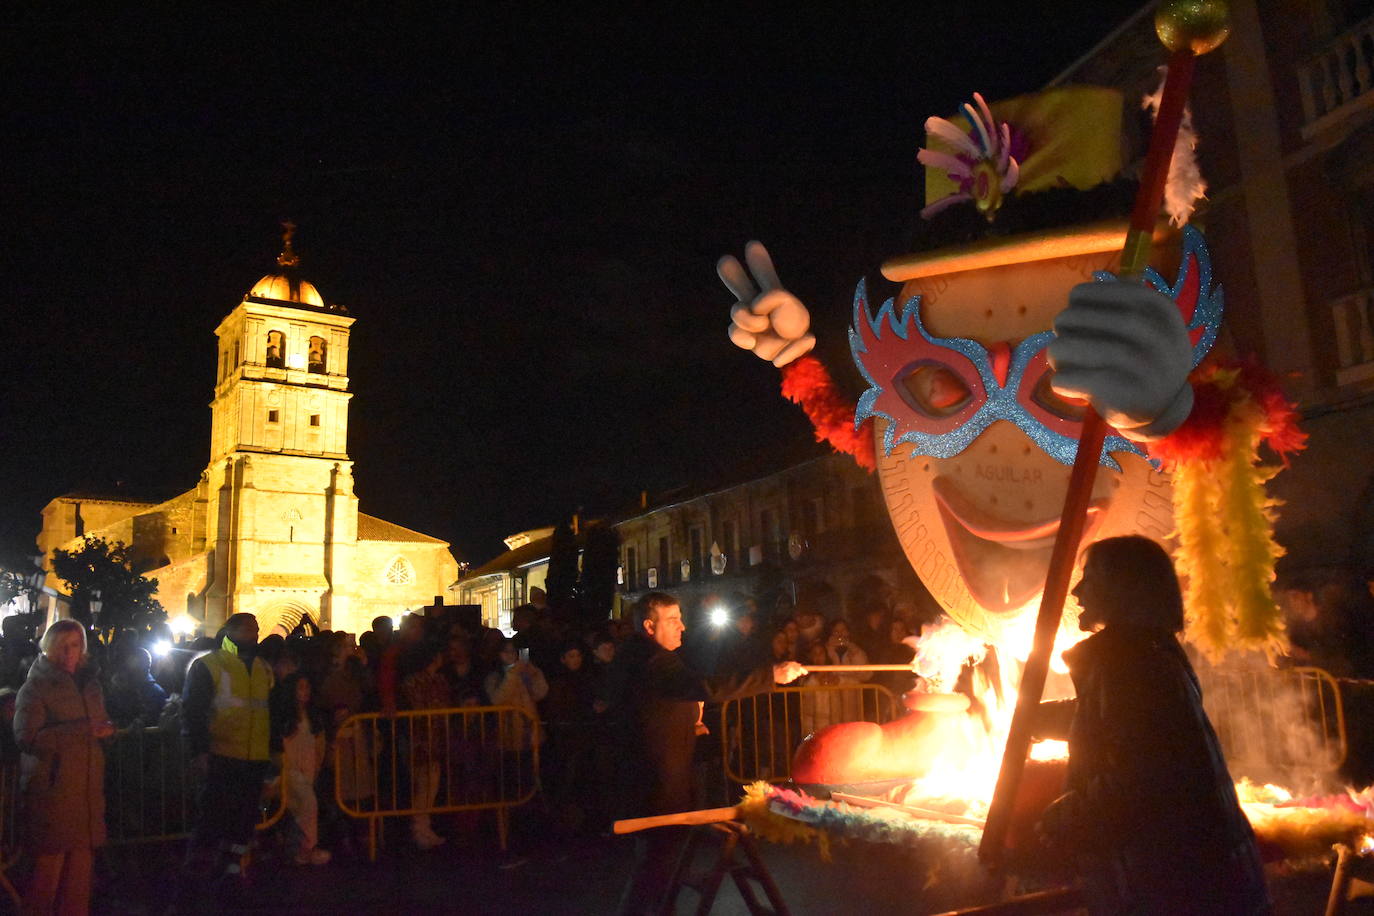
653,697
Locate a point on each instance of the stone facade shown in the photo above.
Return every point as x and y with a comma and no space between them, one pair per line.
273,526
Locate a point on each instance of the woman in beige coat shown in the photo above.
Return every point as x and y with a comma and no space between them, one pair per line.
59,720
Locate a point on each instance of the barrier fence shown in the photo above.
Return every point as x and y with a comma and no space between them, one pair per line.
760,733
1288,721
150,792
436,761
1276,724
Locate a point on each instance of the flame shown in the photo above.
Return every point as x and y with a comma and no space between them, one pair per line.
942,650
960,756
959,775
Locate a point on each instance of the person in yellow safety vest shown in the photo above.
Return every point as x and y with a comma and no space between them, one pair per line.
227,722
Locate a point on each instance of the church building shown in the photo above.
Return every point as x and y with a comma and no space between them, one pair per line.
273,526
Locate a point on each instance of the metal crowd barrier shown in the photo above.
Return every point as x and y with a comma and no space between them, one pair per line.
436,761
759,734
1276,724
150,793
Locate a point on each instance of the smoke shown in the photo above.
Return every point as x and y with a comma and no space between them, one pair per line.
1275,725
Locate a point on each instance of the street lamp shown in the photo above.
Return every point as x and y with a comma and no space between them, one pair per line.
94,604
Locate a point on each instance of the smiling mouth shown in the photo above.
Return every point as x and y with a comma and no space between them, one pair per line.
1003,562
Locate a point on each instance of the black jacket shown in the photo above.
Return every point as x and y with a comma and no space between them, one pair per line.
1151,814
653,697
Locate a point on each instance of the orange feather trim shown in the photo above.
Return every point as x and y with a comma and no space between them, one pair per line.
1220,389
806,382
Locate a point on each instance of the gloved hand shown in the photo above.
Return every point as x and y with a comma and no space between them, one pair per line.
1058,823
765,317
1124,347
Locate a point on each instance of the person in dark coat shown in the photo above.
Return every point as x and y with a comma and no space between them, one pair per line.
1150,818
59,720
135,695
653,696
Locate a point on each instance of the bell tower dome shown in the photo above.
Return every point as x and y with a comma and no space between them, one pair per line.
281,506
282,383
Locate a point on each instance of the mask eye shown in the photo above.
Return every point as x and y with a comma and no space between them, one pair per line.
1057,404
934,390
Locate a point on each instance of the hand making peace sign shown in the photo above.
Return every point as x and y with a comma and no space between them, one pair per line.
765,317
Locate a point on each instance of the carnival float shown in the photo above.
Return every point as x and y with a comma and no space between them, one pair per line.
1007,430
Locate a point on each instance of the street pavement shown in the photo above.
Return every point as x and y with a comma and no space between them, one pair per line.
551,875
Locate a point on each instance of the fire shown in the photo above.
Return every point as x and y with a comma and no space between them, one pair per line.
960,775
959,757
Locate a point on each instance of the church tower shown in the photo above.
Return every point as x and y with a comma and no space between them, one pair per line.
282,519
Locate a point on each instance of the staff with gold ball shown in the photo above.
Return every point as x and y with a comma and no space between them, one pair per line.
1188,28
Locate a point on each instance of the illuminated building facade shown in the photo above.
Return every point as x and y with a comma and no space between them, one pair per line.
273,526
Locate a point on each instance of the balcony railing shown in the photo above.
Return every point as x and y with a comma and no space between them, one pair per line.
1353,316
1339,80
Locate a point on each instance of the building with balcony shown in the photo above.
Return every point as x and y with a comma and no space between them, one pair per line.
1284,112
814,533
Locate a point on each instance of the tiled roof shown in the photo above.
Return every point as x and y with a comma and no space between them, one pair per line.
371,528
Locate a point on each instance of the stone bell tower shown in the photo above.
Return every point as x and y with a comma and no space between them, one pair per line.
282,519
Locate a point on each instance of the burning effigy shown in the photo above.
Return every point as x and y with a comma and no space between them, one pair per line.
1030,317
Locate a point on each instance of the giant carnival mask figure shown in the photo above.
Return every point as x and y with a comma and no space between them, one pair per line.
977,375
978,370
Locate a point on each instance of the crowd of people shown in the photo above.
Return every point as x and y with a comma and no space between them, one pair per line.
80,690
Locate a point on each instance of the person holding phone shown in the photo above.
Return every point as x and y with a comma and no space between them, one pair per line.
518,682
59,722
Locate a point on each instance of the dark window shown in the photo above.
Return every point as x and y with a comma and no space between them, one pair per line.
1352,12
272,416
731,546
664,570
694,538
771,535
631,569
314,419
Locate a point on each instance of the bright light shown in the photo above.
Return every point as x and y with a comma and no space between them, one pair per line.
396,620
184,625
161,648
719,616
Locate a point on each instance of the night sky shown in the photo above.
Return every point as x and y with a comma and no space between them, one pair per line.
522,207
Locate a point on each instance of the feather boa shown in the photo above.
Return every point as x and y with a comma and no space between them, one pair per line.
1185,185
1224,518
806,382
780,815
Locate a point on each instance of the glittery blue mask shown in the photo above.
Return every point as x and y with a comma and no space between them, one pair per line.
939,394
